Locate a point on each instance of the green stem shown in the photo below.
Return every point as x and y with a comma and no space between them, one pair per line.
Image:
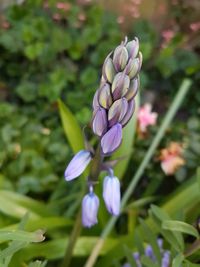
72,240
184,88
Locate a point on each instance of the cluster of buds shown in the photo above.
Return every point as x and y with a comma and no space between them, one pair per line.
165,254
114,103
113,107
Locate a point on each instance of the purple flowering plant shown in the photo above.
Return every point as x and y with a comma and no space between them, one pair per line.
113,107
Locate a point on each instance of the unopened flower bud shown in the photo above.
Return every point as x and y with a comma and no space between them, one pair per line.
133,48
120,58
133,67
117,111
77,165
120,85
95,103
111,194
129,113
105,98
90,205
108,70
133,88
99,123
112,139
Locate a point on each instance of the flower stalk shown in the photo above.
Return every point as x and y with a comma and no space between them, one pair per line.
183,90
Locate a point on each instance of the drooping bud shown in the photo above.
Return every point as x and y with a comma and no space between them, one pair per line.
133,88
108,70
117,111
77,165
112,139
133,48
120,58
120,85
111,194
99,123
129,113
90,205
105,98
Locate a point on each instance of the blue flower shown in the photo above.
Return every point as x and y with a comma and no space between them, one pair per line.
90,205
111,194
77,165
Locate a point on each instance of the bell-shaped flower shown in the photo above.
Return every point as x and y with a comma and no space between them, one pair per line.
90,205
112,139
77,165
111,194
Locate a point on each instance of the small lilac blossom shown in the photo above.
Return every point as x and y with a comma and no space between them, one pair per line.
111,194
77,165
90,205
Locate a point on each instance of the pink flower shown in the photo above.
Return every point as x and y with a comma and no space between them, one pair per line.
195,26
63,6
171,158
146,117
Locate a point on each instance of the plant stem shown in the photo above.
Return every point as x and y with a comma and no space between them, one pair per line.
72,240
184,88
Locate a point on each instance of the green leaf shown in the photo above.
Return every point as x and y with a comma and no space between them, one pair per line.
151,238
20,235
71,128
129,255
37,264
177,260
175,239
180,227
126,148
146,261
56,249
16,205
198,177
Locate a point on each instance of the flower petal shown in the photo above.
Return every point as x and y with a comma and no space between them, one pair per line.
99,124
90,205
112,139
77,165
111,194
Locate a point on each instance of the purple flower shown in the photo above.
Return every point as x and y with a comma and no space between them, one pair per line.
77,165
90,205
111,194
112,139
99,123
166,259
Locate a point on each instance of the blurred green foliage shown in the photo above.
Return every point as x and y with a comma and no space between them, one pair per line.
47,53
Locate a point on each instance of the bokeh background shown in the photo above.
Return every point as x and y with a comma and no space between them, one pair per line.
55,49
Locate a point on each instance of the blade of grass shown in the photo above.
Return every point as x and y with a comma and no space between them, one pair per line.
184,88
